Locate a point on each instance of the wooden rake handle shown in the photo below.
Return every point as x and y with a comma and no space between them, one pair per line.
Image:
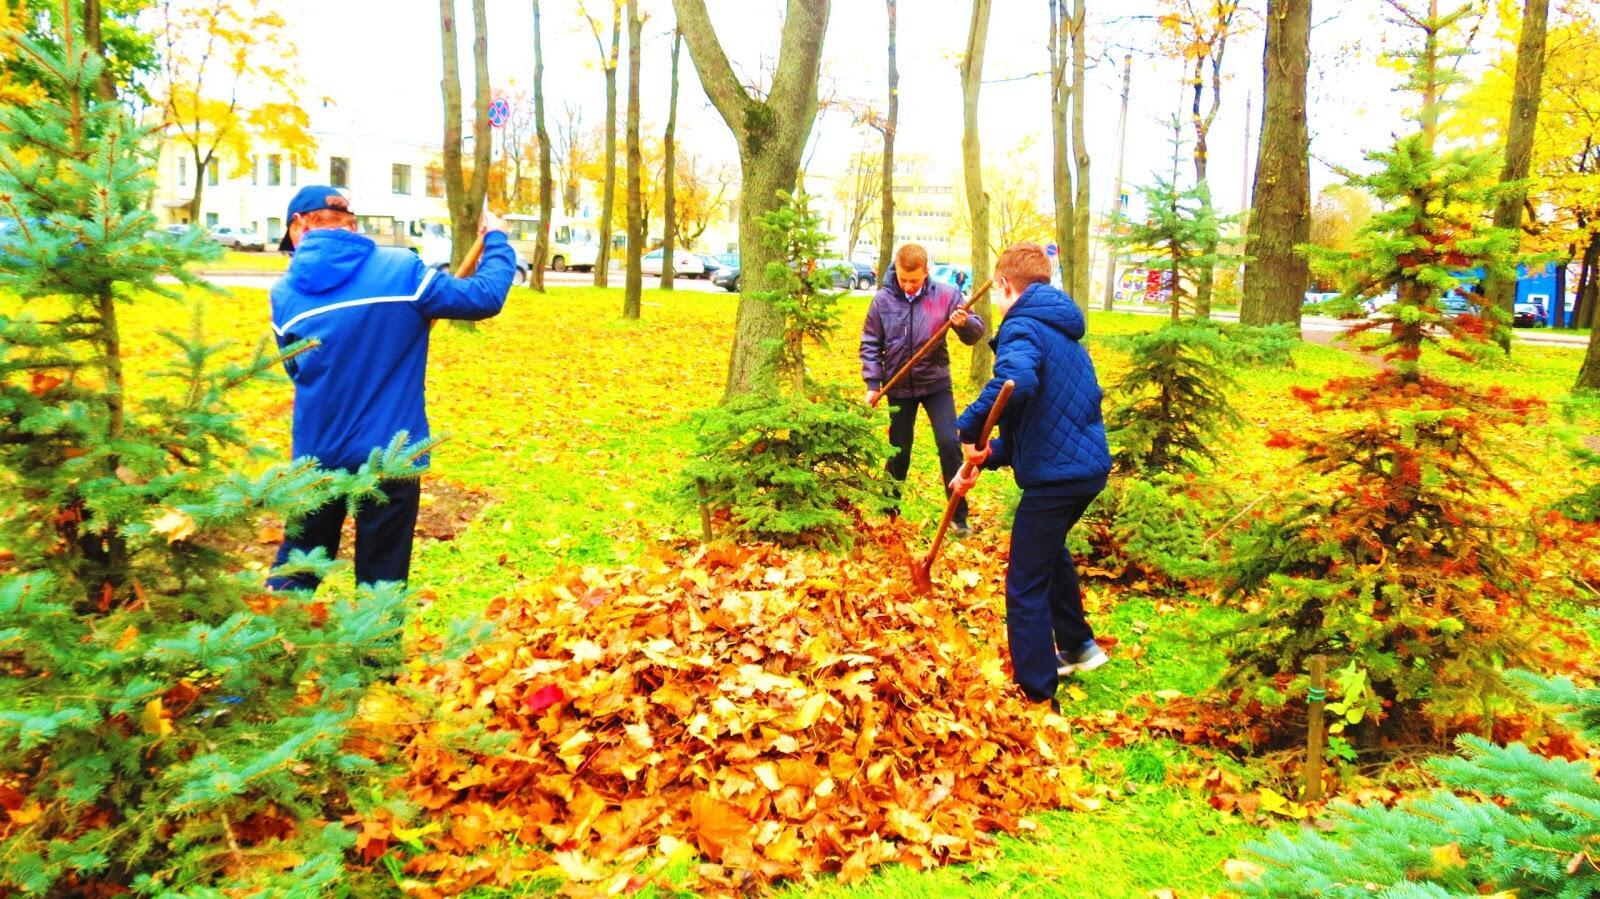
469,264
927,347
921,575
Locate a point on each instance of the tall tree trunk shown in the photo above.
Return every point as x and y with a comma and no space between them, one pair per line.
1276,276
200,163
892,122
1079,285
972,167
1062,90
1502,292
771,135
541,246
465,200
633,283
106,85
608,192
669,174
1583,315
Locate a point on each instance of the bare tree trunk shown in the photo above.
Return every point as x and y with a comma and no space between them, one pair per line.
608,194
771,135
541,246
633,283
1583,314
200,164
1079,285
972,166
669,173
1502,292
1061,97
886,223
106,85
464,200
1276,276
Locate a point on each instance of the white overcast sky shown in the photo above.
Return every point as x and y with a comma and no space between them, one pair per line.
380,62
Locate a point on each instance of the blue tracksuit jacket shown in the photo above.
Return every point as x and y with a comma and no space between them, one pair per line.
370,308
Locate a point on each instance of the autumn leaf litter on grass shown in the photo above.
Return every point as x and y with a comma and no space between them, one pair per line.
780,714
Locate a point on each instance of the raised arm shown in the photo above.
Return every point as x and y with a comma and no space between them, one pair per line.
481,296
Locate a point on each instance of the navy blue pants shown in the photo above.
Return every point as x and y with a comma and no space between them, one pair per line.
941,408
383,537
1044,605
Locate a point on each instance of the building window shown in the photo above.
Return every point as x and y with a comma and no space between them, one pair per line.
211,220
255,170
435,186
274,229
183,171
338,171
401,179
294,173
211,173
274,170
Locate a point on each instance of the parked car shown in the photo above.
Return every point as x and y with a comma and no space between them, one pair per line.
727,259
437,248
859,275
236,237
1528,315
177,230
843,271
711,264
1456,303
684,264
727,277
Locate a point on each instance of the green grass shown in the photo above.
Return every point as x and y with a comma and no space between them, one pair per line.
575,424
236,261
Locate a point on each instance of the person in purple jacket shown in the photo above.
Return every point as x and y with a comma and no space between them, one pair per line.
904,315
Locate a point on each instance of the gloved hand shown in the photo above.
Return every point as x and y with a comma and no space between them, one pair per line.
964,479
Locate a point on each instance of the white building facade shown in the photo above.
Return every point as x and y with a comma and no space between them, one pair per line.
395,185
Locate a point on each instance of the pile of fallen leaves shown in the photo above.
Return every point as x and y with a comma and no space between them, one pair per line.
781,715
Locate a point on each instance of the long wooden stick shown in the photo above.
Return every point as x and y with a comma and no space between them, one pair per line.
1314,728
926,348
922,572
469,264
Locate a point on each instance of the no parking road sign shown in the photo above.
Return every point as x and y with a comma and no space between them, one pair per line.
499,111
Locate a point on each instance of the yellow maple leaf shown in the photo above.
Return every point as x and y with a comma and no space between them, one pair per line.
155,720
174,524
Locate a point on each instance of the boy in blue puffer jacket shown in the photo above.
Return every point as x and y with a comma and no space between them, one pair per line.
1052,436
370,308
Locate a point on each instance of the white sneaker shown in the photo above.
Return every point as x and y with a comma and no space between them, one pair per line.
1088,657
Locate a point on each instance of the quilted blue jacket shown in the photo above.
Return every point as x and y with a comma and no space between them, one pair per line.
369,307
1051,431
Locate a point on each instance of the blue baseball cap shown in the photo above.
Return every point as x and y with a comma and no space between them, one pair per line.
311,198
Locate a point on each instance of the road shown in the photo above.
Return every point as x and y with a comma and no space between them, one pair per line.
1309,326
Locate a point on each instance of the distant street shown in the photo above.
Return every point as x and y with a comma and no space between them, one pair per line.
1310,325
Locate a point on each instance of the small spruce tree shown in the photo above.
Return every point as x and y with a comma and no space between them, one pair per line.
1182,235
1399,564
1511,823
793,461
166,726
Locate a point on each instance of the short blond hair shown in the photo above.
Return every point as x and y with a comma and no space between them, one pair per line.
911,257
1023,264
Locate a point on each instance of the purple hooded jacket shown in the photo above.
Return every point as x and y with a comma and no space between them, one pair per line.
896,326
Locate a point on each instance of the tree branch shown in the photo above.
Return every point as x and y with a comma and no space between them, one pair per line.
716,73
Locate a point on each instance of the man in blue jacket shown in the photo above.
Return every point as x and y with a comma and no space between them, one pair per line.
370,308
904,314
1052,436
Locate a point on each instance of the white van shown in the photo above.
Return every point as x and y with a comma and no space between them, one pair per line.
573,245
